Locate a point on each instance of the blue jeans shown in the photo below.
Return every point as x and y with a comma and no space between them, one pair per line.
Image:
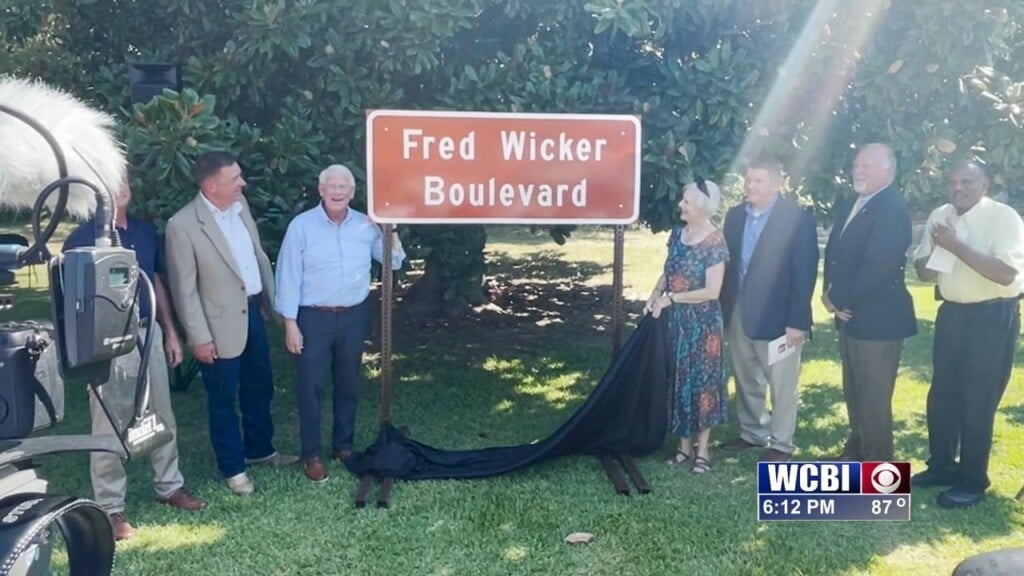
249,378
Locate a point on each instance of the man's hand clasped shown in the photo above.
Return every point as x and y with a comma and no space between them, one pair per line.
944,235
205,353
844,315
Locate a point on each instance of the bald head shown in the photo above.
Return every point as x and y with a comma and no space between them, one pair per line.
966,185
973,167
874,168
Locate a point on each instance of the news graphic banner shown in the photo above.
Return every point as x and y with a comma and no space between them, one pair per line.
833,491
502,168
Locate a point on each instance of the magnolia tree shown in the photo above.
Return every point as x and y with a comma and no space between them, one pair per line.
286,85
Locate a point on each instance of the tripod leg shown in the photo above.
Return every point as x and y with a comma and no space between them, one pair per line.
635,475
611,468
384,495
364,489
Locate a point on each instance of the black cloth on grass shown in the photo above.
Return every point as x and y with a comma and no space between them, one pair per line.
626,414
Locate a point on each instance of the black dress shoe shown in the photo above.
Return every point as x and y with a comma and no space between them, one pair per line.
954,498
932,477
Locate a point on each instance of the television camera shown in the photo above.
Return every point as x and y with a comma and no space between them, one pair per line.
94,295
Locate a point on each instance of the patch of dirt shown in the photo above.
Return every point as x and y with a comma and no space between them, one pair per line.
538,296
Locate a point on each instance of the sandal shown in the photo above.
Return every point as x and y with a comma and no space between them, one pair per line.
680,458
701,465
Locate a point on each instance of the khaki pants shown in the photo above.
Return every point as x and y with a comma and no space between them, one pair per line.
869,379
109,482
754,379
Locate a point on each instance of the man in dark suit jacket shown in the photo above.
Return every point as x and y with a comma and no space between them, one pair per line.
766,295
865,287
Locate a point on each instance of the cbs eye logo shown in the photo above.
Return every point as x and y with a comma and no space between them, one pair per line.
886,478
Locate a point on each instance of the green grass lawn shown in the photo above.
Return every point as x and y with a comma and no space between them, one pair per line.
510,377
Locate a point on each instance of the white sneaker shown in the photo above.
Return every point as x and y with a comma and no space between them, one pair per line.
240,484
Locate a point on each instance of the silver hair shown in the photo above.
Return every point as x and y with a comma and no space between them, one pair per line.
888,154
336,170
709,203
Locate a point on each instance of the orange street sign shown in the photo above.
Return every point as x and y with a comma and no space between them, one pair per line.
503,168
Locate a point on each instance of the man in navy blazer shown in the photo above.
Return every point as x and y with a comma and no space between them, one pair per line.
865,288
766,296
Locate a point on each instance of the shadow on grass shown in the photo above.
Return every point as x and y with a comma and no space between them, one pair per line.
539,236
531,357
1015,414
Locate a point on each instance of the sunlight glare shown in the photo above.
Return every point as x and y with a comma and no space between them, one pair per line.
173,537
514,554
797,76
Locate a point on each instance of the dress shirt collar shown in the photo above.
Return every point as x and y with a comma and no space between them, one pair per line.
235,208
979,207
753,213
864,199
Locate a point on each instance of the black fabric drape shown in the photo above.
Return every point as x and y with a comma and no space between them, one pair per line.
626,414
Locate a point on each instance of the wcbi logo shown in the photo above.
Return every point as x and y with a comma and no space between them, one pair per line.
833,477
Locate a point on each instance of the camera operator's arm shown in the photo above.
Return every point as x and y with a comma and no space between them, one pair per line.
182,273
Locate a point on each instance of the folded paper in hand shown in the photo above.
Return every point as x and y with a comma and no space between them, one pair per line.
778,350
941,261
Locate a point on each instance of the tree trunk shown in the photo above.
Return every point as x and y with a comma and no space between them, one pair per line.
452,280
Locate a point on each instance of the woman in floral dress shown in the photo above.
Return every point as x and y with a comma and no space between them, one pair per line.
688,292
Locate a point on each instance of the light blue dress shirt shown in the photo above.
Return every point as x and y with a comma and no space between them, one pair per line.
752,229
322,263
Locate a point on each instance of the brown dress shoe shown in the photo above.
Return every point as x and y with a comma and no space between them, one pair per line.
182,500
773,455
315,470
342,455
122,529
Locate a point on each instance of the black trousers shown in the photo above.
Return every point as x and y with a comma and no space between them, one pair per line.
972,356
330,340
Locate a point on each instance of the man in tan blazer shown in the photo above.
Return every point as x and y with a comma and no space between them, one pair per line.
222,285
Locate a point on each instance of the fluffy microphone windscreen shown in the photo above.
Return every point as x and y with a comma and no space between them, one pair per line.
27,163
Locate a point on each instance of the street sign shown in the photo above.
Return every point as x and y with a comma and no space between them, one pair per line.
503,168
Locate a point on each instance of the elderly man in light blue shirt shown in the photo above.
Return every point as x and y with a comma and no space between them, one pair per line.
323,279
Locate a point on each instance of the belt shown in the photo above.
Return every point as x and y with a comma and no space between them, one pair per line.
255,298
984,302
940,298
335,309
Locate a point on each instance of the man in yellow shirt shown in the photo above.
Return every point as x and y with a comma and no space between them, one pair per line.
974,248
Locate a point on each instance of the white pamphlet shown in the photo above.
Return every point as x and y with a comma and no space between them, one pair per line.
941,261
778,350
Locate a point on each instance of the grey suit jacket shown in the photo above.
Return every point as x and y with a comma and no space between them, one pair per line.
205,282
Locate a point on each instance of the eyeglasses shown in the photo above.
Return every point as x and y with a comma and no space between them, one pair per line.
702,186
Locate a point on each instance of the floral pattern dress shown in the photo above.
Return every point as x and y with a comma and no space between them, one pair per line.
699,394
